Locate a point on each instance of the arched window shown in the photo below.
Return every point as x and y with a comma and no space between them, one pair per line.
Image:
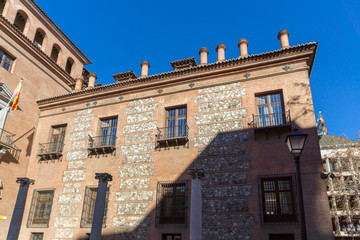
39,38
69,65
55,53
2,6
20,20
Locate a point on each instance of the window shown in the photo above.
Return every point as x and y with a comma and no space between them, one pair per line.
176,122
171,237
37,236
39,38
270,110
5,60
69,64
20,21
278,199
108,131
281,237
40,209
57,138
2,6
89,207
172,203
55,52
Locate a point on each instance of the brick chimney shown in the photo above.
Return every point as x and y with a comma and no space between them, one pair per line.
92,78
203,55
243,44
220,49
79,82
283,36
144,68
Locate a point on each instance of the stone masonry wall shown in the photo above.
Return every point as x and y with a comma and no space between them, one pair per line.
132,199
221,142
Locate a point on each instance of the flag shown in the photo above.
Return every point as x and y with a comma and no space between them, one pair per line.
16,100
322,122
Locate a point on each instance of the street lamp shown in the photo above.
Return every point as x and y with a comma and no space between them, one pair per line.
295,142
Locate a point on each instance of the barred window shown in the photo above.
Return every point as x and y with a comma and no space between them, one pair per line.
172,203
40,209
6,60
281,237
89,207
278,199
37,236
171,237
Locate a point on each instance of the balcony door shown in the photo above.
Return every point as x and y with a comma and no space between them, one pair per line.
270,110
176,122
57,138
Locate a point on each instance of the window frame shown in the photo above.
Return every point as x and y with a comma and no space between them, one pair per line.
86,211
107,140
164,235
34,237
277,218
160,219
33,208
176,131
60,138
270,120
3,59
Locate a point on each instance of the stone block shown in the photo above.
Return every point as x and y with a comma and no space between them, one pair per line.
64,233
216,96
140,117
139,137
236,149
141,101
132,221
66,222
75,146
221,139
221,116
69,198
220,127
145,169
83,118
219,88
130,233
222,163
230,233
227,191
140,127
225,178
132,208
219,105
77,155
141,108
227,220
135,183
71,187
74,175
76,164
224,205
137,148
81,126
136,158
134,196
67,210
79,136
84,112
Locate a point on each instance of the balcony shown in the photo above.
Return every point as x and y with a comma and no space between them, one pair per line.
172,137
50,151
102,144
6,139
268,122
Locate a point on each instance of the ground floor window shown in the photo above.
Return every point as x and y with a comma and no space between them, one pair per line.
37,236
281,237
171,236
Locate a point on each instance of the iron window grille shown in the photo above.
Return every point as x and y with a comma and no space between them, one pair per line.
281,237
37,236
171,237
277,198
172,203
6,60
40,208
89,207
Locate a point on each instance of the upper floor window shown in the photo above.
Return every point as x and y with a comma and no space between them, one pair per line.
55,52
20,20
278,199
108,131
6,60
172,203
2,6
270,109
57,138
40,209
69,65
176,122
89,207
39,38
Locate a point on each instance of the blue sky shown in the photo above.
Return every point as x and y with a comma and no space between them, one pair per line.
118,35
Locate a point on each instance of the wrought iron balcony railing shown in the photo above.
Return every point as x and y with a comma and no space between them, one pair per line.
102,144
6,139
50,151
172,136
271,120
